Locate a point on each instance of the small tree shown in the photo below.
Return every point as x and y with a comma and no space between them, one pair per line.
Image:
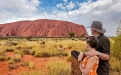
83,35
116,46
29,37
71,34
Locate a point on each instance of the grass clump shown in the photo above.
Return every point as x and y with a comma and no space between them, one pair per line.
58,68
33,73
31,65
26,63
42,54
69,58
19,52
11,61
2,58
9,50
115,65
17,58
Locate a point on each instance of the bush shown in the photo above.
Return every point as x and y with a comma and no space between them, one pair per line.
58,68
29,37
71,34
61,52
33,73
2,52
16,57
48,52
19,52
116,51
32,52
14,43
11,61
29,51
115,65
26,51
26,63
2,58
9,50
42,54
69,58
43,42
31,65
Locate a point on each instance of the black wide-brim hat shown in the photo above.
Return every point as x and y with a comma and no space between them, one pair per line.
97,26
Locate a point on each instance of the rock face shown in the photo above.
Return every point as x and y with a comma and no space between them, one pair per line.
43,27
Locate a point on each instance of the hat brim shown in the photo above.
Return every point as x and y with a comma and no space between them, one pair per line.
100,31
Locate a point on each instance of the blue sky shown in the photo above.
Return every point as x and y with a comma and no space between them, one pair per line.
82,12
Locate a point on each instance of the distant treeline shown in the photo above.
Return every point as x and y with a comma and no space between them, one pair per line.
7,37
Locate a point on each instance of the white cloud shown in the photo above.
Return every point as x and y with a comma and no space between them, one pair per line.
71,5
106,11
23,6
61,6
11,10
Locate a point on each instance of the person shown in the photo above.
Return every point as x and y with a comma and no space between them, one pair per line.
102,49
89,65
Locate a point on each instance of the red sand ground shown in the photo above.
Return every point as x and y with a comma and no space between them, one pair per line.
40,64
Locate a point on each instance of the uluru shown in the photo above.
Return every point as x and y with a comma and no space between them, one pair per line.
42,27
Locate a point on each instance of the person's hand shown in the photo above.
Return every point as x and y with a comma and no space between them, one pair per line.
80,65
81,55
92,53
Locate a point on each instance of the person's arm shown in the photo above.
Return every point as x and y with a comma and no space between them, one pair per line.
81,55
104,54
89,66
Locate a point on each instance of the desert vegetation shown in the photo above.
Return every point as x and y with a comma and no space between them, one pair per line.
115,61
38,56
48,56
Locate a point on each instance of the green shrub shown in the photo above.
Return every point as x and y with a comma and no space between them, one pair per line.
71,34
115,65
58,68
116,50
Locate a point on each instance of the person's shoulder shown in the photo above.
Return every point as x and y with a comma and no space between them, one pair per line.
104,38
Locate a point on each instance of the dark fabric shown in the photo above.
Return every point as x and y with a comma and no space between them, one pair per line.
103,47
75,54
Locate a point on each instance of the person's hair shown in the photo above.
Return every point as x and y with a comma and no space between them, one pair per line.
92,41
